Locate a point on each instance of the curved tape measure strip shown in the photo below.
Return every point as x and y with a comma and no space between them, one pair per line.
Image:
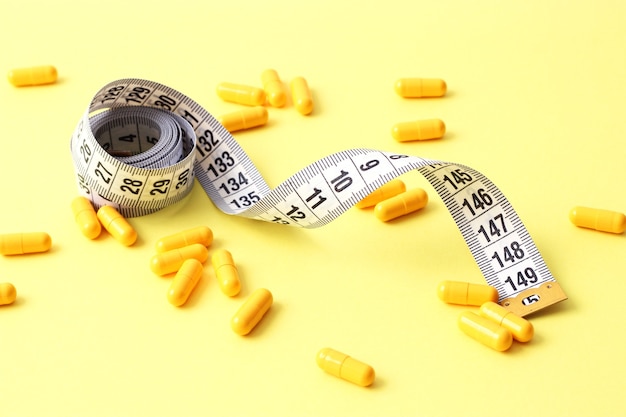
140,144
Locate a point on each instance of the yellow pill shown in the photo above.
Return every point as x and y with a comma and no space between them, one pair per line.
598,219
465,293
226,272
241,94
420,87
301,95
273,88
244,119
251,312
21,243
184,282
418,130
521,329
7,294
200,234
117,225
388,190
401,204
347,368
86,218
485,331
45,74
167,262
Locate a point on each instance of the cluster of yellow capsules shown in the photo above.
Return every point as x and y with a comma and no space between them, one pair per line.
255,98
423,129
494,325
393,200
91,222
20,244
184,254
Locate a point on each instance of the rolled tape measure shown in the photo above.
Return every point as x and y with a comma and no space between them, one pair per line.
140,145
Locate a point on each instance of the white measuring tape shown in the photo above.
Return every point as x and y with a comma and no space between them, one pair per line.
140,144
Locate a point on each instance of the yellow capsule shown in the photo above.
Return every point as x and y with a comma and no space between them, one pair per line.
301,95
44,74
521,329
21,243
244,119
420,87
401,204
226,272
418,130
117,225
388,190
347,368
200,234
184,282
465,293
251,311
167,262
598,219
241,94
273,88
485,331
7,294
86,218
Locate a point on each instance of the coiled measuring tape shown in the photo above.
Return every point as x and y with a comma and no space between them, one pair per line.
139,146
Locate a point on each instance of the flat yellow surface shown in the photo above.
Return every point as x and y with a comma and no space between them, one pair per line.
535,102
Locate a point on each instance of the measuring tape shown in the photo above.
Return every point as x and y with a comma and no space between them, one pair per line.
139,146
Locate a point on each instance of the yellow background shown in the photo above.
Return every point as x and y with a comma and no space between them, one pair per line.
535,102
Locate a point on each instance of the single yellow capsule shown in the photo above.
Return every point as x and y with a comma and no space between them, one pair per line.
418,130
226,272
301,95
598,219
244,119
117,225
241,94
401,204
7,293
167,262
273,88
485,331
22,243
388,190
200,234
521,329
86,218
184,282
420,87
347,368
465,293
44,74
251,311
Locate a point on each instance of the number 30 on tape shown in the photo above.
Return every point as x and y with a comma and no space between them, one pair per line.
139,146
